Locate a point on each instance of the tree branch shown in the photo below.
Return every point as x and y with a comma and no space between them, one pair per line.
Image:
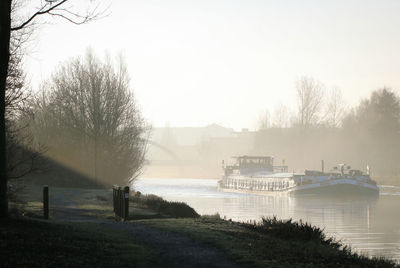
38,13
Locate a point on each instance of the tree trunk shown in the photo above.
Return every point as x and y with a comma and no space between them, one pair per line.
5,26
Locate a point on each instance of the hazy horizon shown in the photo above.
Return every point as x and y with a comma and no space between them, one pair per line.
195,63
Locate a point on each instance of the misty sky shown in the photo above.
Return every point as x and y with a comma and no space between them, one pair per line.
194,63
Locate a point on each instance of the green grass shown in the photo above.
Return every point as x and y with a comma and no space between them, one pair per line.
37,243
252,246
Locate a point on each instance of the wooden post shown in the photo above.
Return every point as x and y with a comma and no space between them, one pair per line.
120,202
113,198
126,203
323,166
46,202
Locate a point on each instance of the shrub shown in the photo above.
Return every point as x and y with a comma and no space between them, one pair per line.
173,209
289,229
215,216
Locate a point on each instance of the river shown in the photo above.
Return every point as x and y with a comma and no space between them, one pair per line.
369,225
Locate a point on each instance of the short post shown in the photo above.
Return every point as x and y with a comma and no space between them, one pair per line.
323,166
46,201
121,203
126,202
115,198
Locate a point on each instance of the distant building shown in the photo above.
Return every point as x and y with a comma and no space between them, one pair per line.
188,136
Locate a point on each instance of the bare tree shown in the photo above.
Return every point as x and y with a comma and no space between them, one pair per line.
335,108
281,116
55,8
5,29
15,97
309,99
264,121
20,154
95,125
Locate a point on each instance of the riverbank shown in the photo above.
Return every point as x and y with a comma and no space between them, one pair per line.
31,242
81,232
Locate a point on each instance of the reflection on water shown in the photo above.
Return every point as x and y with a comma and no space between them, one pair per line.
369,225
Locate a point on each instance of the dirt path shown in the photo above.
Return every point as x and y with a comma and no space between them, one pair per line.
174,249
62,208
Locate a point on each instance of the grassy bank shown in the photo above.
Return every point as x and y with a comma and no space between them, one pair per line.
272,243
27,242
33,243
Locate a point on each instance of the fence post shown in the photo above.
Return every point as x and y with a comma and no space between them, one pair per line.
126,203
115,198
46,201
120,202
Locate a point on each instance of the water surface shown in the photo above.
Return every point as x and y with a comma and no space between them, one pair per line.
369,225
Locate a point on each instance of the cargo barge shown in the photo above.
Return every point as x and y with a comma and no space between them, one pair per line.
258,175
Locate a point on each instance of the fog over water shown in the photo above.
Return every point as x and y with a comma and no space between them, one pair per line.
368,225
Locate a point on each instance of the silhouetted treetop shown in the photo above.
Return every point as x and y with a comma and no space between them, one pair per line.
379,115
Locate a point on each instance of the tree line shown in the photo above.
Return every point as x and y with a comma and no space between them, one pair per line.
322,127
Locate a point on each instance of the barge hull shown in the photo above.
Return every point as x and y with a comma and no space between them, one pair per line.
336,190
